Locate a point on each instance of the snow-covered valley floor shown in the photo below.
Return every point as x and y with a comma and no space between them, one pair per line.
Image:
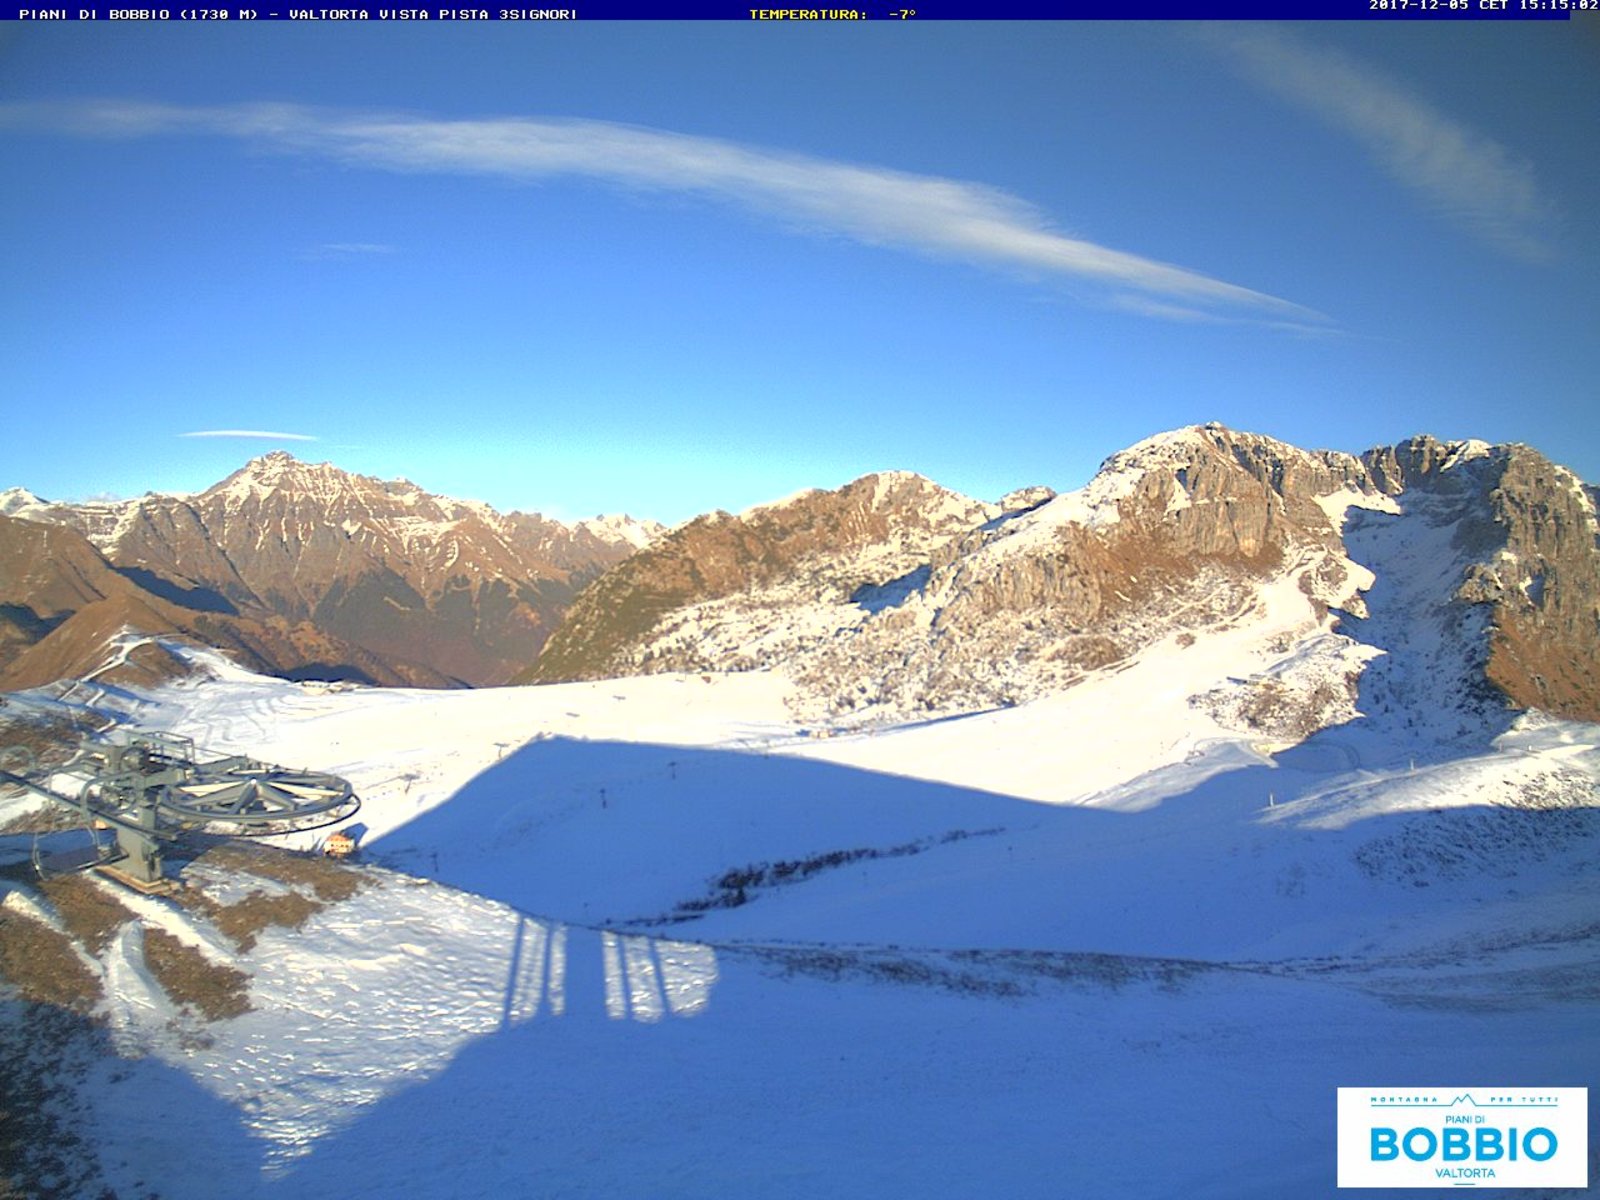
652,938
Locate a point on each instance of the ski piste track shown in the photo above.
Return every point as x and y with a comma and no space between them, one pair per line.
1465,976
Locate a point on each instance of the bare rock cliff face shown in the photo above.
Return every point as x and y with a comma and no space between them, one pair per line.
1527,531
1168,507
1175,534
1542,584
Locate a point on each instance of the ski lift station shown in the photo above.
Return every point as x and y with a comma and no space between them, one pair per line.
150,790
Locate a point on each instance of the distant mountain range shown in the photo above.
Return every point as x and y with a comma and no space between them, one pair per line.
891,595
296,569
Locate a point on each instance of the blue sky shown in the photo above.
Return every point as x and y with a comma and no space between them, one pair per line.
663,268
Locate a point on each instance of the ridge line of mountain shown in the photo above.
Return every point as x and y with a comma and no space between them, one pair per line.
888,594
897,598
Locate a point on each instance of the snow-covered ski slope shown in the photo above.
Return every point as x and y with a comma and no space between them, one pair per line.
650,937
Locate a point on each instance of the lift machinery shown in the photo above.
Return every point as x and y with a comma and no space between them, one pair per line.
151,789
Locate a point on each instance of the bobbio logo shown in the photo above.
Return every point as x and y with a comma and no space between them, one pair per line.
1401,1137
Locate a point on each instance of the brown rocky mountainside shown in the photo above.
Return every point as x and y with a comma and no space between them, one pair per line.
311,571
65,612
1542,585
827,543
863,600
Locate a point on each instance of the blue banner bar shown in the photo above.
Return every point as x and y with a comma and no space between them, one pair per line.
909,10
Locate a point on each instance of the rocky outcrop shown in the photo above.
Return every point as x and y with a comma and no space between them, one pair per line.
1165,507
1540,578
1175,534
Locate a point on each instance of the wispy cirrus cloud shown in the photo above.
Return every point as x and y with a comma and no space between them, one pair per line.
1459,174
257,434
1145,306
347,250
927,214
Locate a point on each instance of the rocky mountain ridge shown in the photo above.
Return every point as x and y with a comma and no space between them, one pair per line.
67,613
397,585
820,544
1474,565
870,608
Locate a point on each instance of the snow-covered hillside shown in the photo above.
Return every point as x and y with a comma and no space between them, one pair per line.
653,937
1078,846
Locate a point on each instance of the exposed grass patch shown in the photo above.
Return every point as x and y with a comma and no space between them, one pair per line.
50,739
1546,817
50,742
999,973
330,881
40,963
310,884
735,887
887,966
242,921
90,914
1103,970
217,992
48,818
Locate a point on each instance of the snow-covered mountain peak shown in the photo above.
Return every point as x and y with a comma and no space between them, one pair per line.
1162,475
877,492
398,507
281,472
621,529
851,541
271,468
886,483
19,502
1170,444
939,503
1191,445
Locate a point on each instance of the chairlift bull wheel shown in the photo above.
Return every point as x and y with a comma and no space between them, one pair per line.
257,796
152,788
